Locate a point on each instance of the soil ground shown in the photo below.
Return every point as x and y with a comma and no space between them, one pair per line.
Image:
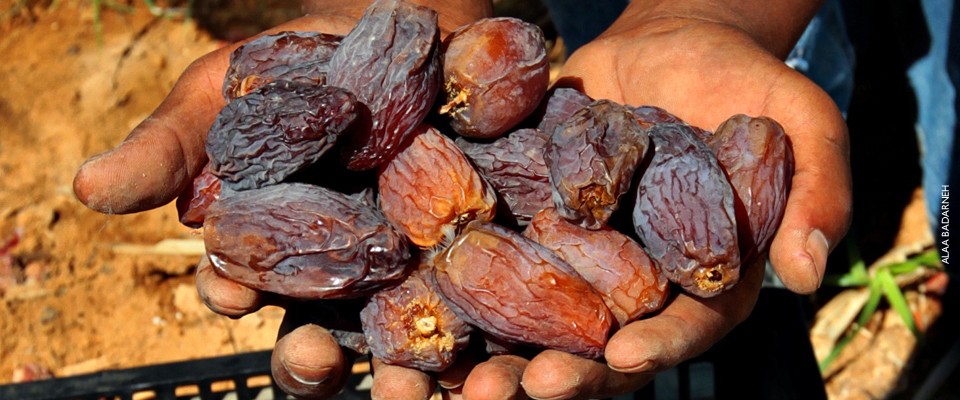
83,291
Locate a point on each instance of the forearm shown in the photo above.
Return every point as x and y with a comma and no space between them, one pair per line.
451,13
775,25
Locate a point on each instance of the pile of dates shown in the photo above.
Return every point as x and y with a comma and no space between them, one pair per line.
444,190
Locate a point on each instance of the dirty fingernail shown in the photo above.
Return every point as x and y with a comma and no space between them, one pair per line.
307,375
818,249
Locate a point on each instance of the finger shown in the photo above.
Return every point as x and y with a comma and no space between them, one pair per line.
160,156
557,375
158,159
307,362
497,378
686,327
396,382
223,296
818,210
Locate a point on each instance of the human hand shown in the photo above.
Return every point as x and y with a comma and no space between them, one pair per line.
705,72
159,159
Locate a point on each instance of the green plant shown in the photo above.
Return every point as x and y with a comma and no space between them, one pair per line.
881,284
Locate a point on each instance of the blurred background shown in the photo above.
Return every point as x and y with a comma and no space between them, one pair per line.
82,292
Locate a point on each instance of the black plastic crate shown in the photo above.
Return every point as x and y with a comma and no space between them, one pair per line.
243,377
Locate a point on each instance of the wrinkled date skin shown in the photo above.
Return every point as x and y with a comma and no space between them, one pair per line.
409,325
592,157
193,203
495,72
305,242
615,265
514,167
560,103
758,162
648,116
391,61
264,137
430,190
292,56
684,213
521,292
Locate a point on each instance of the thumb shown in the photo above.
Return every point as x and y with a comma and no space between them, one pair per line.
162,154
818,210
160,157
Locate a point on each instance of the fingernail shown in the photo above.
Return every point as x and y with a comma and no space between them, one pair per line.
449,385
644,366
307,375
818,249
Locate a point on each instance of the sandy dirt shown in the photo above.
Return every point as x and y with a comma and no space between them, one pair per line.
82,291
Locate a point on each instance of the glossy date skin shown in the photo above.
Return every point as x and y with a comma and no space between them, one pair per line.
495,72
757,159
684,213
293,56
615,265
305,242
264,137
430,190
513,165
390,61
521,292
409,325
592,157
193,203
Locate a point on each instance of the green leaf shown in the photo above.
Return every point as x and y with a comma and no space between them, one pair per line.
873,301
896,299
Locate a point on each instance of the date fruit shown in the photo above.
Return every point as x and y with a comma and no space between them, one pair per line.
291,56
193,203
758,162
648,116
409,325
305,242
615,265
592,157
521,292
264,137
561,103
390,61
514,167
684,213
430,190
495,72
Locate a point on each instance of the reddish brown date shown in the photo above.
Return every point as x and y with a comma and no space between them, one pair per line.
758,162
592,157
305,242
684,213
390,61
615,265
513,164
409,325
264,137
495,72
292,56
430,190
193,203
521,292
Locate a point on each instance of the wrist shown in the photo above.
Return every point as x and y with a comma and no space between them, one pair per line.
451,14
775,25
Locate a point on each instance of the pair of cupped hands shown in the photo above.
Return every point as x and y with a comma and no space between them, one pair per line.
702,69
